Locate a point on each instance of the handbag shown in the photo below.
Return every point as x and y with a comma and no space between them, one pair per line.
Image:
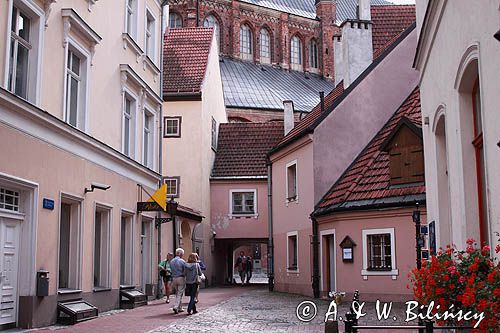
201,278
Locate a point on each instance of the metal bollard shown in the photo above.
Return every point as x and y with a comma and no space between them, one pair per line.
332,326
350,321
429,327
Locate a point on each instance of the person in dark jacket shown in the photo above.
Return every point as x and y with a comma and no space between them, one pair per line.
249,269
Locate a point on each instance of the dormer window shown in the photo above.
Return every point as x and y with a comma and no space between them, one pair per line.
406,155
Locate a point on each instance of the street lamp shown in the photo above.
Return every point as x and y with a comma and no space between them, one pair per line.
419,243
172,211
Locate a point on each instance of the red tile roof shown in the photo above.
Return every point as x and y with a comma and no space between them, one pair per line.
388,22
367,178
242,148
185,61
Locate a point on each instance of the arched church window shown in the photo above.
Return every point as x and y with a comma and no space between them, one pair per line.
211,22
246,46
265,46
174,20
296,53
313,54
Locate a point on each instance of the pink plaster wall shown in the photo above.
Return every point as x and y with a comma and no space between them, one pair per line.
346,131
293,216
242,227
349,277
57,171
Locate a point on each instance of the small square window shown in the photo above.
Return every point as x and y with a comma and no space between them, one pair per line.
172,127
243,202
173,184
379,252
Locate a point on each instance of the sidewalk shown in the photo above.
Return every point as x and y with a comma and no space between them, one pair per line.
146,318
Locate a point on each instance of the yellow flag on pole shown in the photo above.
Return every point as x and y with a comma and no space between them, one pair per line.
160,197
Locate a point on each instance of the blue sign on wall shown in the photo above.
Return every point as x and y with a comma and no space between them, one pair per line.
48,204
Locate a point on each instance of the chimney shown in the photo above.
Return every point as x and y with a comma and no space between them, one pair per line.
364,10
356,44
288,116
322,100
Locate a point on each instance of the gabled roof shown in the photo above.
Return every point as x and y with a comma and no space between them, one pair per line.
186,52
312,120
242,148
248,85
365,183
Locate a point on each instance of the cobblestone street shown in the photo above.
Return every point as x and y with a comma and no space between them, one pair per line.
237,309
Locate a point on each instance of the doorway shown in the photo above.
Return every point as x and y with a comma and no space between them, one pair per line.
10,225
146,252
328,260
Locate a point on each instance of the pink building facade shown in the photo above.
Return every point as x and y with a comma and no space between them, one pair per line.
320,148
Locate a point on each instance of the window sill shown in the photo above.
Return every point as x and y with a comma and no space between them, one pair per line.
101,289
149,63
129,41
393,272
236,216
292,199
68,291
296,271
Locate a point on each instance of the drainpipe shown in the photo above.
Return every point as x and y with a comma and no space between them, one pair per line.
315,249
160,138
270,244
197,13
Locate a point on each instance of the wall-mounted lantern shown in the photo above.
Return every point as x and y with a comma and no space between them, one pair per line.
347,246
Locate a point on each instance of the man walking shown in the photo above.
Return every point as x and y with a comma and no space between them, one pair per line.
249,269
241,267
177,266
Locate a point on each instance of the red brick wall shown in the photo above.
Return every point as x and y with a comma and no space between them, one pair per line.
282,27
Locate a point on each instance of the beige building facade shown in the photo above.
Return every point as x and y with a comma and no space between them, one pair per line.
458,61
80,117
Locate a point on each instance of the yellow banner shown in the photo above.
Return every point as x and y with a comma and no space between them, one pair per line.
160,197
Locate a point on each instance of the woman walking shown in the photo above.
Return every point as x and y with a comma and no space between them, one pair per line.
166,274
192,271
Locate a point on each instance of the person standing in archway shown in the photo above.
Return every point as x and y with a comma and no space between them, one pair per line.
249,268
241,266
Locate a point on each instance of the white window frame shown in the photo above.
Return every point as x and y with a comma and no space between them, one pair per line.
287,197
246,42
108,209
133,124
394,272
165,122
232,214
129,251
177,185
150,158
72,200
288,235
131,27
37,17
265,59
83,90
150,47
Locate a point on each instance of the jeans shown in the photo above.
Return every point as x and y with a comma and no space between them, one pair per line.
191,288
249,276
242,276
179,284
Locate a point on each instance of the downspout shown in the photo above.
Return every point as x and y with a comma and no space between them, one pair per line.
197,13
160,139
315,250
270,244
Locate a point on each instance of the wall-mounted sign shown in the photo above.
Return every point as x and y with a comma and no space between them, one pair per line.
48,204
149,206
432,238
347,246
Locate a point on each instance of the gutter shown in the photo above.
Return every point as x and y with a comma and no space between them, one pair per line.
270,244
182,96
315,249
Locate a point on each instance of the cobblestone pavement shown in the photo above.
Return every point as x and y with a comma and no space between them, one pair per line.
261,311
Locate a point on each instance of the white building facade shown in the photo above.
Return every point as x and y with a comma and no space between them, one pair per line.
80,116
459,64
